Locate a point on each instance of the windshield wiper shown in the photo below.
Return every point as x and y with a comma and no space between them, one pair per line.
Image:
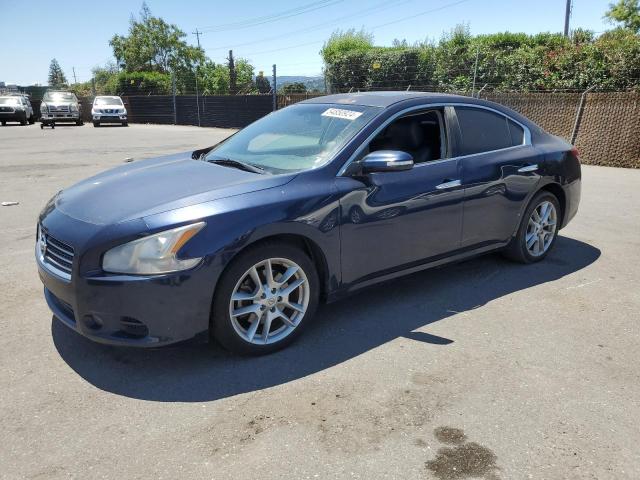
247,167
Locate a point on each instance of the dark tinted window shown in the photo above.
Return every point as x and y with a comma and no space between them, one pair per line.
482,130
517,133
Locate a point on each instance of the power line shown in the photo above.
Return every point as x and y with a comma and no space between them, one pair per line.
293,12
331,23
425,12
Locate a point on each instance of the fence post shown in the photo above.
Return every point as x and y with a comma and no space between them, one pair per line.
576,124
173,93
475,73
274,93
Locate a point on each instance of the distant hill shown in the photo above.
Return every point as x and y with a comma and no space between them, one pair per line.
312,83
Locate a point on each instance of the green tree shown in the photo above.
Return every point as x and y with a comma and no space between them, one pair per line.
56,75
625,12
341,42
262,83
295,87
154,45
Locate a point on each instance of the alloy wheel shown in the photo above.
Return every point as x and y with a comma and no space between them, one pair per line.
269,301
541,228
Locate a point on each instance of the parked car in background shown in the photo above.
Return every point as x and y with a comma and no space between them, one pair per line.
16,108
242,240
59,106
109,109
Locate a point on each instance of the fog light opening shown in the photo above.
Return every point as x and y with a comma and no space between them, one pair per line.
133,328
92,322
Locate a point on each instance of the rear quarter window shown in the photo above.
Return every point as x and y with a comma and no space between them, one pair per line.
484,131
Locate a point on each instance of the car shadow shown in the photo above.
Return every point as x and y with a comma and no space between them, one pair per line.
340,331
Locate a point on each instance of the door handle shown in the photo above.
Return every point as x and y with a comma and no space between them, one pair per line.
448,184
528,168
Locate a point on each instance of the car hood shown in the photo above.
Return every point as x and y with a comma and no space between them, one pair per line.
59,104
157,185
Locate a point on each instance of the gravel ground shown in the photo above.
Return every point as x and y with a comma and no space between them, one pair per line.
485,369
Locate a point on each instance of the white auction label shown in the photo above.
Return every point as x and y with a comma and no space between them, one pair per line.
341,113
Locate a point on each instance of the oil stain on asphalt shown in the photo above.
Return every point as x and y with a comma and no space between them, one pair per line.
463,459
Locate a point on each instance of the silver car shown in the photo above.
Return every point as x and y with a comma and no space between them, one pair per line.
59,106
16,108
109,109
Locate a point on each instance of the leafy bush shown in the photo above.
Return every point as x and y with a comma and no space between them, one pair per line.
505,61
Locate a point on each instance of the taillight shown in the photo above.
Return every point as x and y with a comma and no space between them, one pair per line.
574,151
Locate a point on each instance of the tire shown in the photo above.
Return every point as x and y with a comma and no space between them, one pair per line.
23,121
32,120
4,123
96,124
125,124
79,123
518,249
233,332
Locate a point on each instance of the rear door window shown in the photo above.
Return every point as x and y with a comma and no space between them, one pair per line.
484,131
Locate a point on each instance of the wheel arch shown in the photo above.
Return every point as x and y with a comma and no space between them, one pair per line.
558,192
308,245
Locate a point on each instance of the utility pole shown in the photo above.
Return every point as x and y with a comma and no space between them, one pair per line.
233,75
197,34
274,91
567,14
75,80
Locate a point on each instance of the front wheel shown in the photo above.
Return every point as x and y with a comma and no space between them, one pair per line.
96,124
538,230
79,123
265,299
32,120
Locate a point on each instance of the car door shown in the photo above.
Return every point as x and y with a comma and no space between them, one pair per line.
394,220
499,172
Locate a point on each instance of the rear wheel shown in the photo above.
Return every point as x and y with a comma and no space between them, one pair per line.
538,230
265,299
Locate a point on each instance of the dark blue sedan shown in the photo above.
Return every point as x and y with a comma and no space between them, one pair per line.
241,241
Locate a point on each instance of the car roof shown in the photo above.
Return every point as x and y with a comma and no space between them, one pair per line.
388,98
384,99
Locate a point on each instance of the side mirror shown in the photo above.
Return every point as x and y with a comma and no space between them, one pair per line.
386,161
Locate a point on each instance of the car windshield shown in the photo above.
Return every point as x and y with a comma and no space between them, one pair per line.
299,137
108,101
59,97
9,101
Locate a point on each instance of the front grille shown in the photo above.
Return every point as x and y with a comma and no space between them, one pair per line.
59,108
56,254
6,109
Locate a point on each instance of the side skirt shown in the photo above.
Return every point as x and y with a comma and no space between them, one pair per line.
347,290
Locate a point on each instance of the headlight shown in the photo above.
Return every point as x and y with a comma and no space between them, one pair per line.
43,108
74,107
95,110
122,111
154,254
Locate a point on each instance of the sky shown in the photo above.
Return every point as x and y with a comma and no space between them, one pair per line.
288,33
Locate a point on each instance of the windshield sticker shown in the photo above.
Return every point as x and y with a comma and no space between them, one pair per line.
341,113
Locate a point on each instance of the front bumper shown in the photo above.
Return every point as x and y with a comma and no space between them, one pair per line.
107,118
59,117
125,310
12,116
